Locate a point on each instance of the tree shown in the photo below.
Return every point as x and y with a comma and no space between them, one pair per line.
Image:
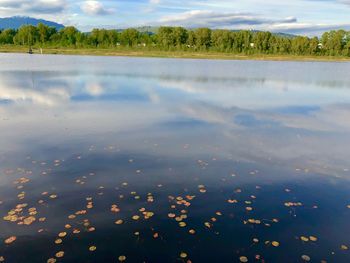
103,38
166,37
180,36
129,37
191,39
145,38
113,37
242,41
69,36
346,50
93,37
221,40
6,36
300,45
81,39
314,46
332,43
285,45
43,32
203,38
261,41
26,35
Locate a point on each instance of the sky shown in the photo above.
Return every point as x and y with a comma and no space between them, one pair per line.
305,17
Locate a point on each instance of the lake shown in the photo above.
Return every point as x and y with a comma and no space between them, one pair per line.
110,159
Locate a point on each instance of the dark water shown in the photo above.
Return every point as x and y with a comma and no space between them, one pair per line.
253,155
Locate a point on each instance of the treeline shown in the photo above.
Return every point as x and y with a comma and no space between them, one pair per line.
333,43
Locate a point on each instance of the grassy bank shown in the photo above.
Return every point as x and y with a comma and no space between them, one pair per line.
167,54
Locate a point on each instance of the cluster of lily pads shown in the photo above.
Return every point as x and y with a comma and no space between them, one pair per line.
22,214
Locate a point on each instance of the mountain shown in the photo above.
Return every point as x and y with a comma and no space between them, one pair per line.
151,30
16,22
278,34
148,29
285,35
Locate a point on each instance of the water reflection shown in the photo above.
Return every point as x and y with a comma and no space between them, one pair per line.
291,117
81,127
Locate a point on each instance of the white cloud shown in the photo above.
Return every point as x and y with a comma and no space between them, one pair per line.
35,6
346,2
95,89
95,8
206,18
51,97
273,15
4,4
310,29
240,20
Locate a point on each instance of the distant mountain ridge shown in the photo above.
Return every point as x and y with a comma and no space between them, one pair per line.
16,22
154,30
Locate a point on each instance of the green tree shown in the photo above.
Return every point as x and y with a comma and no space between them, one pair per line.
113,37
145,39
242,41
93,37
203,38
69,36
166,37
285,45
45,32
333,42
261,41
129,37
346,50
300,45
81,39
6,36
314,48
180,36
103,38
191,39
26,35
222,40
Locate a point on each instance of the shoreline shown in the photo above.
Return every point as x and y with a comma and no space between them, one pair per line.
171,54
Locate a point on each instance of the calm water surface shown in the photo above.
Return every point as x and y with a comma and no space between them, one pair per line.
159,160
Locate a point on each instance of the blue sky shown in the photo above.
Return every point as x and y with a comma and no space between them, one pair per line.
308,17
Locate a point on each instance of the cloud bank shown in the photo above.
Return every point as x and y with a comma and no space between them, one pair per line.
308,17
36,6
205,18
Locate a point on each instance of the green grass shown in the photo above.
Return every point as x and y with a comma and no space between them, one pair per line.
140,52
